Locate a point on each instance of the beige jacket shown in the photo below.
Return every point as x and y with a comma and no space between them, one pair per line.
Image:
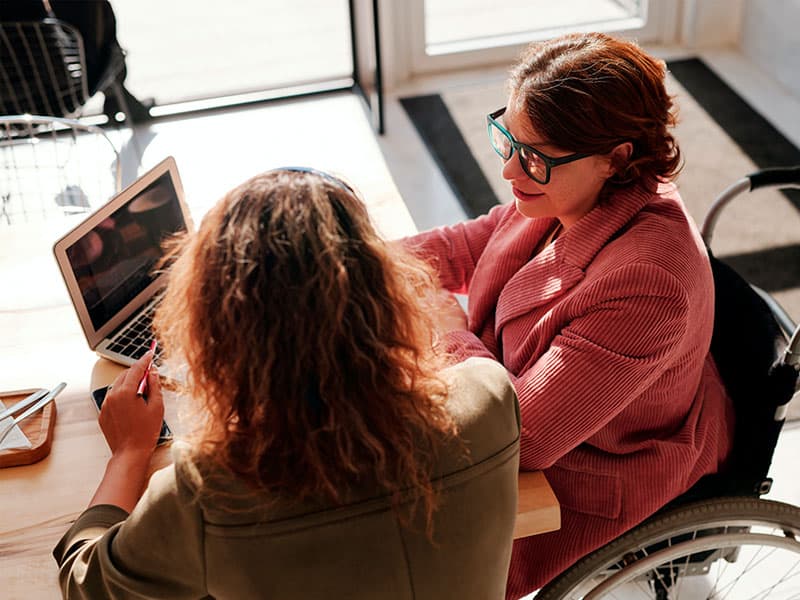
184,540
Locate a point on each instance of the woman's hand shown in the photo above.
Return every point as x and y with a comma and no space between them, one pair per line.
449,315
131,423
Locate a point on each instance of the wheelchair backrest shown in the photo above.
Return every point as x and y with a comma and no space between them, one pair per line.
746,345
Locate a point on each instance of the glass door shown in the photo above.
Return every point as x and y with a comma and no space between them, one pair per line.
192,51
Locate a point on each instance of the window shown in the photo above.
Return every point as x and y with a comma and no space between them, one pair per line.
453,25
181,50
440,35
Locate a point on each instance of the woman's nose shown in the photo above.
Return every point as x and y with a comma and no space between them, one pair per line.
512,169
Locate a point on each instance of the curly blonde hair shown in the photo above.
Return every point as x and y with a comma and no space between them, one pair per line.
311,355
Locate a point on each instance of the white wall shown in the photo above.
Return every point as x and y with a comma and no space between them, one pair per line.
710,23
765,32
770,38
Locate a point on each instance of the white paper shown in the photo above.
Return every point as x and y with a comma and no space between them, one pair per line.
15,438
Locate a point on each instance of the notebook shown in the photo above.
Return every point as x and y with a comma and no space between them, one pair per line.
109,262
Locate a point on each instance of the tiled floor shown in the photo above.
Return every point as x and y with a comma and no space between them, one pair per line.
217,151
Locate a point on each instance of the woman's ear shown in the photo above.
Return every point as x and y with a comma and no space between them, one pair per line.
619,158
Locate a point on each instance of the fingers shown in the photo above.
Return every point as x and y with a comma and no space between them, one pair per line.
129,422
136,372
154,381
118,380
155,397
133,375
128,380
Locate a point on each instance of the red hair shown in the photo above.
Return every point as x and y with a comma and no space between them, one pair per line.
589,92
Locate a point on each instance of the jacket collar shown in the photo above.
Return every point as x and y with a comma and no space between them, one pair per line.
562,264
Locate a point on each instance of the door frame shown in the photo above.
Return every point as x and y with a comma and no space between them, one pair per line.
405,55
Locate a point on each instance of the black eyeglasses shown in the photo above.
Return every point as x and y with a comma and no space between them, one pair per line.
536,164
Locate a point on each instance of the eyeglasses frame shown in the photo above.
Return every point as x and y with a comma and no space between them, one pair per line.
549,161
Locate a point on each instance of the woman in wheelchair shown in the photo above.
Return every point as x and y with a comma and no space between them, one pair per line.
334,455
594,289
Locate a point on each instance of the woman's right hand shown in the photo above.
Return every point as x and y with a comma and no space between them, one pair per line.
131,423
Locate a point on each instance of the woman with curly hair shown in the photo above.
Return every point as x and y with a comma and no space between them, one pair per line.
594,289
334,454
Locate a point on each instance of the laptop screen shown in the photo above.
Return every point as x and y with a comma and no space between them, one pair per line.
117,259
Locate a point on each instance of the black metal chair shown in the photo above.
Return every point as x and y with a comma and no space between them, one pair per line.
51,168
50,68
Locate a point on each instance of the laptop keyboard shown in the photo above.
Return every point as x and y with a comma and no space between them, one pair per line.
134,340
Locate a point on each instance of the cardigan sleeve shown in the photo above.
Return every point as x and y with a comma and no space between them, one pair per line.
454,250
156,552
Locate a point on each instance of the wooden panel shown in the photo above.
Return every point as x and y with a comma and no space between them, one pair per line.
538,510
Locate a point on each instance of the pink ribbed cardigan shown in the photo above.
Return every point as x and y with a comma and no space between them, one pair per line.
605,334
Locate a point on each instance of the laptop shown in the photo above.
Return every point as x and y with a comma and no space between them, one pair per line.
110,262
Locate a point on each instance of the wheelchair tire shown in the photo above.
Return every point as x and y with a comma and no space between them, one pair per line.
678,553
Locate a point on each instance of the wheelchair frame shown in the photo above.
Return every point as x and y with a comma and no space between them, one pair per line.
689,536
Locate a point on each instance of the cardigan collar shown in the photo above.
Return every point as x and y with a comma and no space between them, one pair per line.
562,264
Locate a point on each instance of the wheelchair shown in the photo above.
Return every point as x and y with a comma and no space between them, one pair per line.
720,539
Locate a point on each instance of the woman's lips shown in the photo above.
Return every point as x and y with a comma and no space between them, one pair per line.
520,195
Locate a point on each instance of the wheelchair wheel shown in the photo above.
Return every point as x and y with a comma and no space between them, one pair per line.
723,548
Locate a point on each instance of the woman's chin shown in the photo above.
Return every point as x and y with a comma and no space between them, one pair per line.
529,208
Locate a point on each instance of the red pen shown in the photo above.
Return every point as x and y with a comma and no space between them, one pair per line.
142,389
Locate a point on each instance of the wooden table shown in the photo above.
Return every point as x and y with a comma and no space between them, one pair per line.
40,345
